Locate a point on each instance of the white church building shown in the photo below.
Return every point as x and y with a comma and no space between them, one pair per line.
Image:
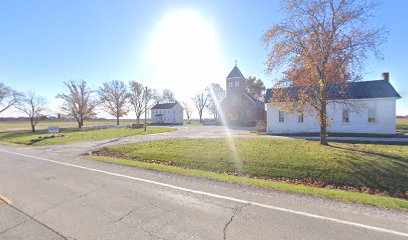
167,113
374,111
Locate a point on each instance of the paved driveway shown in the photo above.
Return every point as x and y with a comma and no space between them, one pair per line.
186,132
181,133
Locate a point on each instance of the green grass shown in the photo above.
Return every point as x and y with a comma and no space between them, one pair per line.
70,136
303,134
25,125
403,127
402,124
373,200
193,123
383,167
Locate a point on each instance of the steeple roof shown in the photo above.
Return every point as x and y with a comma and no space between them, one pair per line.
235,73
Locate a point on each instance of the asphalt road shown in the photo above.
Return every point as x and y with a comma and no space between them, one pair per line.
58,194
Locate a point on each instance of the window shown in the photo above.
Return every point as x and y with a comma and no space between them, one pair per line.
346,118
300,117
236,84
234,100
281,117
371,115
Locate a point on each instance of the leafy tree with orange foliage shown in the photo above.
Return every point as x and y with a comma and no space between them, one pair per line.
322,45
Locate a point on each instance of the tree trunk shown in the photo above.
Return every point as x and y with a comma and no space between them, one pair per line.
201,114
323,124
117,121
32,125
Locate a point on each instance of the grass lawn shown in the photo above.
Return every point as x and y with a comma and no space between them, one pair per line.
345,135
402,124
356,197
25,125
193,123
77,135
382,167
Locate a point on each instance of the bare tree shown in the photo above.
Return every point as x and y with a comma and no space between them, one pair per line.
8,97
139,98
168,96
215,94
200,101
156,96
323,45
113,96
34,106
188,109
79,101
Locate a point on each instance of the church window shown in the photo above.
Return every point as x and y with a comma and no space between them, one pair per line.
371,115
346,118
281,117
300,117
234,100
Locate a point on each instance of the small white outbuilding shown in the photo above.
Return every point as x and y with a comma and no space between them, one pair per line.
167,113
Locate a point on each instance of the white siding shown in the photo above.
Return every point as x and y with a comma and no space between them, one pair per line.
170,116
385,122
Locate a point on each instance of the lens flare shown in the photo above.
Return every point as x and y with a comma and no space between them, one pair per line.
230,139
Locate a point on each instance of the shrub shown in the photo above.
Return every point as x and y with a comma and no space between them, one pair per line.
261,127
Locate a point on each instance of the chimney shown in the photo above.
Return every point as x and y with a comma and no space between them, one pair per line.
386,76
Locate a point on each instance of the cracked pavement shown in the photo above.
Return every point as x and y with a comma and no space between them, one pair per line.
56,201
235,212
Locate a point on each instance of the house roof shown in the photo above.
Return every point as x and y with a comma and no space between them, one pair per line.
253,99
235,73
353,90
164,105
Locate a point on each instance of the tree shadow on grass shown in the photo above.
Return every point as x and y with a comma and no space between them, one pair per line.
374,153
388,173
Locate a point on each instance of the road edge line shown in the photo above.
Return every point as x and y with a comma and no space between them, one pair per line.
378,229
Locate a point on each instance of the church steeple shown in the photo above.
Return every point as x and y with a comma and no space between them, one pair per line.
235,73
235,80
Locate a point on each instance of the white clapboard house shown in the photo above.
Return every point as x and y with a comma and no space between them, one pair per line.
374,111
167,113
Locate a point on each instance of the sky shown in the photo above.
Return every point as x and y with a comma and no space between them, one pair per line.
180,45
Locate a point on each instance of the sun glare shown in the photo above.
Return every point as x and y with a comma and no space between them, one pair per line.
184,55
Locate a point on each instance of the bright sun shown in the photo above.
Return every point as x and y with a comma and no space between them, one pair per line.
184,54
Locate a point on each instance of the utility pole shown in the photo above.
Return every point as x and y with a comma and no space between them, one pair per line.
145,110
